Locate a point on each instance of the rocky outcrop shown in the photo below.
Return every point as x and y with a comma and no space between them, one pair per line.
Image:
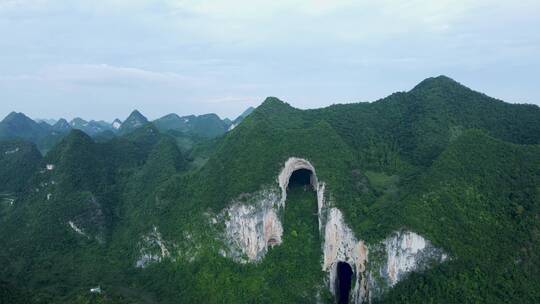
390,261
398,255
152,248
340,245
404,251
291,165
252,222
252,226
77,229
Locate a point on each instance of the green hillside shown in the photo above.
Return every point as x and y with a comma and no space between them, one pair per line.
19,160
454,165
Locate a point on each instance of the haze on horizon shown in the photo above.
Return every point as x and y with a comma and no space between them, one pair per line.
102,59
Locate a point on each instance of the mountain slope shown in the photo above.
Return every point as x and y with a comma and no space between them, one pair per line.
136,216
384,200
415,126
18,161
61,126
480,199
18,125
78,202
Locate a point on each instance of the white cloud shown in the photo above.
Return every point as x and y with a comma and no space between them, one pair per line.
108,75
224,52
103,75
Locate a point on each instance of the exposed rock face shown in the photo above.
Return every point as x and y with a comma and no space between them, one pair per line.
321,204
291,165
340,245
251,227
152,249
398,255
77,229
403,251
91,219
12,151
392,259
116,124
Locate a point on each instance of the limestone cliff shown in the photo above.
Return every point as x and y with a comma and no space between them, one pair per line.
253,223
398,255
252,226
379,266
340,245
152,248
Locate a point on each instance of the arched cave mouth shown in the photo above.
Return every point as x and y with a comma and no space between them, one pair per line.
301,178
344,280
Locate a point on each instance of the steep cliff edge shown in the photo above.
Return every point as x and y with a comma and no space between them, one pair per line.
253,224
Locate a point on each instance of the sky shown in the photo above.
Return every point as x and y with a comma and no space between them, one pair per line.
102,59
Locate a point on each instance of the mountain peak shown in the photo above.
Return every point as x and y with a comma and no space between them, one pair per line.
135,120
74,138
270,101
273,104
77,134
61,125
116,124
443,82
78,122
16,116
136,114
209,116
171,116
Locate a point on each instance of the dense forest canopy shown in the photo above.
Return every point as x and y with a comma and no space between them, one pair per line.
457,166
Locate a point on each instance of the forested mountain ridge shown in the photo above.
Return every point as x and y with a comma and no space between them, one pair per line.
188,129
207,125
145,219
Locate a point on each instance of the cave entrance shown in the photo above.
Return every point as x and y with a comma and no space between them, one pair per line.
344,280
301,178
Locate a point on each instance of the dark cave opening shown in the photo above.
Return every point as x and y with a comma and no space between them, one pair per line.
300,178
343,282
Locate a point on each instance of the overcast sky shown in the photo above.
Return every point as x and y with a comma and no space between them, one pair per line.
100,59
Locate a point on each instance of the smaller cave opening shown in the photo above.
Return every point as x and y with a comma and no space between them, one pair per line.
343,282
272,242
300,178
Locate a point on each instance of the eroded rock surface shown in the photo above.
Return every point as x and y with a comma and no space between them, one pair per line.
340,245
76,228
291,165
390,261
398,255
152,248
252,226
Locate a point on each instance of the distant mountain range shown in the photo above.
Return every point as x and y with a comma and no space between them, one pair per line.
45,133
